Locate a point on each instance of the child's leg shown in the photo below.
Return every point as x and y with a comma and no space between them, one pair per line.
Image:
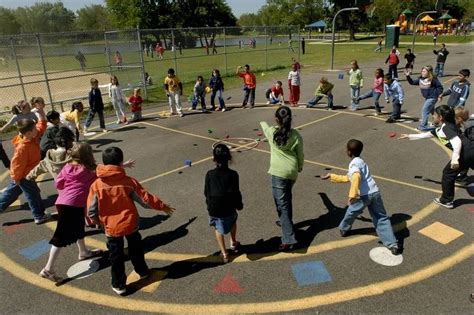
330,100
213,97
426,110
9,195
172,103
136,253
53,256
397,109
366,95
352,212
376,97
116,106
252,97
101,119
117,261
122,109
221,242
267,94
140,114
221,99
448,182
33,197
89,118
296,93
203,101
233,234
281,190
178,103
381,221
246,97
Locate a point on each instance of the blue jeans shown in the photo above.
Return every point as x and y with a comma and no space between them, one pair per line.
374,95
281,189
199,98
379,217
32,194
355,92
219,96
396,109
312,102
439,70
426,110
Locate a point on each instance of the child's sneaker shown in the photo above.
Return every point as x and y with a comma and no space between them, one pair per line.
46,217
235,246
120,290
50,275
448,205
104,130
395,250
225,258
268,102
224,109
181,115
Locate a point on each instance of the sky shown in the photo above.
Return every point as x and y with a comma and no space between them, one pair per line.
238,6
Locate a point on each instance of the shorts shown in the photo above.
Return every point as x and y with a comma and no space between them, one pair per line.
223,225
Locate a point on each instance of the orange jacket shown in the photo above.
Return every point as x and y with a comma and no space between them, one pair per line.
249,79
111,199
27,153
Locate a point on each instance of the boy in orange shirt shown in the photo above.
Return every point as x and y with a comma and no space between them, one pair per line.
111,201
27,155
250,82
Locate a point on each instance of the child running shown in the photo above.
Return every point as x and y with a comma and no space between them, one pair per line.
377,90
111,201
223,198
96,106
135,102
52,128
72,119
459,90
431,89
250,84
199,94
174,89
217,86
73,184
393,89
118,99
275,94
294,82
356,81
393,62
286,161
324,90
462,157
364,193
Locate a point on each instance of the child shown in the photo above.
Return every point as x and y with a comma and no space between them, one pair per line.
356,81
173,89
410,57
148,80
379,45
364,193
199,94
461,159
56,157
459,90
431,89
27,155
275,94
250,84
111,201
294,82
393,62
217,86
72,118
20,111
286,146
465,122
118,60
377,90
324,90
135,102
118,99
36,104
393,89
47,140
296,63
440,60
223,198
73,184
96,106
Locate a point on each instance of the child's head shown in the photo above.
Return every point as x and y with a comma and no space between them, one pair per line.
294,67
114,80
53,117
77,106
64,138
379,73
323,80
354,65
444,114
464,74
354,148
427,72
82,153
278,84
216,73
221,154
443,45
387,79
171,72
136,91
94,83
283,119
200,79
409,50
112,156
24,107
247,68
37,102
461,115
27,128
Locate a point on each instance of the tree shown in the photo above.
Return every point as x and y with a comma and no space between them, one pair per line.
125,13
249,19
291,12
8,22
94,17
45,17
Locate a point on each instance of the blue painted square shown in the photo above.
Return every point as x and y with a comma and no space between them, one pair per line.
36,250
311,273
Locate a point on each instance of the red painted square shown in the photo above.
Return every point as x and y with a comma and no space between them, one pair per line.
12,228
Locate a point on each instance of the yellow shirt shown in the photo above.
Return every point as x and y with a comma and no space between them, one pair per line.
75,117
355,183
173,83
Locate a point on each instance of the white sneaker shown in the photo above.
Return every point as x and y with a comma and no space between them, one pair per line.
268,102
224,109
120,291
50,275
181,115
104,130
46,217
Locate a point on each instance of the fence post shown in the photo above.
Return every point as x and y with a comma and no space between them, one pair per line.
299,44
44,70
266,49
225,52
174,48
107,52
18,68
142,61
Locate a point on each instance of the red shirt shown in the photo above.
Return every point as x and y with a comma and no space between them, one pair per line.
249,79
136,102
277,92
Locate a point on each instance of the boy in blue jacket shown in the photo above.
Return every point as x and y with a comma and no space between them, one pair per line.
393,89
459,90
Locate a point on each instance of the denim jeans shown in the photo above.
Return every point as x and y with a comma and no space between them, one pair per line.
219,97
426,110
379,217
91,115
249,93
117,257
32,194
281,189
312,102
199,98
375,96
396,109
439,70
355,92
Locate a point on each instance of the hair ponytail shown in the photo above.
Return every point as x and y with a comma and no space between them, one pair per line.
283,116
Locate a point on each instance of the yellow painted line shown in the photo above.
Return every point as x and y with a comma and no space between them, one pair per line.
441,233
178,131
373,289
149,284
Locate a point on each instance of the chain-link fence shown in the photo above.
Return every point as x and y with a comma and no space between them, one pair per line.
59,66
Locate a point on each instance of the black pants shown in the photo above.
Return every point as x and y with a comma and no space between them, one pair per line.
117,257
393,71
251,93
4,157
449,178
91,115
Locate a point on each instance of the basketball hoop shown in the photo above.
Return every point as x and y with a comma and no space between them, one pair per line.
370,9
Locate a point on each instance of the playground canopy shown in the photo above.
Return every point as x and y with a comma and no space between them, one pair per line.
445,16
317,24
427,18
407,12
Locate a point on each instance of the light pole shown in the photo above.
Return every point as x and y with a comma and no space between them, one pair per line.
414,28
333,32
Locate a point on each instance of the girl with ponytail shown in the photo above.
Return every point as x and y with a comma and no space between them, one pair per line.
286,162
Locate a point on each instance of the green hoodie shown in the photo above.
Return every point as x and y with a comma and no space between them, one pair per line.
285,161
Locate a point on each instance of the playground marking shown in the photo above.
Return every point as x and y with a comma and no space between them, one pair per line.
441,233
35,250
149,284
383,256
309,273
83,269
228,285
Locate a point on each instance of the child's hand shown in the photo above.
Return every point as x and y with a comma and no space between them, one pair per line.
351,201
454,166
169,210
404,136
327,176
407,73
130,163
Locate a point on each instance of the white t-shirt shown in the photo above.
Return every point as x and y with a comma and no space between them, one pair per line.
367,183
294,76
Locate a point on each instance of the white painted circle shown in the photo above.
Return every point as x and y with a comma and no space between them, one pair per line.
83,269
383,256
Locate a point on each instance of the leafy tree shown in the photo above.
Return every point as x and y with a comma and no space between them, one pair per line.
45,17
249,19
291,12
94,17
8,22
125,13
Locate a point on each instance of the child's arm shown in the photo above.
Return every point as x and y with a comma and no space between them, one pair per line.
180,88
92,205
9,123
361,78
447,92
354,190
386,91
147,200
266,130
416,136
42,123
60,181
39,169
464,95
237,196
77,121
300,153
401,94
456,145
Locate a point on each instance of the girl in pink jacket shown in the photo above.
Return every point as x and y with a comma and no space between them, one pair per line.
377,90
